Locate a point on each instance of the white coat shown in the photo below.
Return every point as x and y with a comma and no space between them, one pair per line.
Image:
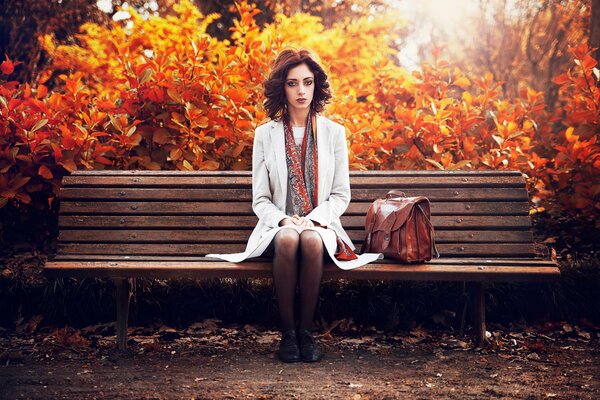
270,184
270,178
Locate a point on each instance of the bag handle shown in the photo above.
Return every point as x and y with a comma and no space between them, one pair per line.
394,193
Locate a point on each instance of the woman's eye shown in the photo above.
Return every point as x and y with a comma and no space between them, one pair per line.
308,83
291,83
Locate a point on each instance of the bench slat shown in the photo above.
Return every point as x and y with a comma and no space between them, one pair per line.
447,250
218,221
253,269
391,181
175,259
245,208
241,236
224,194
227,174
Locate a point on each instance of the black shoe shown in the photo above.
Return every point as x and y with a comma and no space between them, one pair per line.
309,351
288,347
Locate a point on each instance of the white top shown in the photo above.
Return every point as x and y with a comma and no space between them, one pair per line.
298,132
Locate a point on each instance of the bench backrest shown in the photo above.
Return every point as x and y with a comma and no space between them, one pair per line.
167,214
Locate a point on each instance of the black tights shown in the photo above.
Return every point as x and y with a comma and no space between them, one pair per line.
291,249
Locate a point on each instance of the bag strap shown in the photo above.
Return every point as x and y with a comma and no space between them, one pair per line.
434,250
369,225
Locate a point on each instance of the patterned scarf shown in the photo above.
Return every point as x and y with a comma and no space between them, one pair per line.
303,175
302,166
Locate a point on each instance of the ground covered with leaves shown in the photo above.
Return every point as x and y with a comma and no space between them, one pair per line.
213,360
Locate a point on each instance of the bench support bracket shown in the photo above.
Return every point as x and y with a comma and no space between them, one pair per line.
122,286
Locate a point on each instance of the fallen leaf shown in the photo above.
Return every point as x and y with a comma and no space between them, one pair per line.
34,322
455,344
250,329
585,335
419,332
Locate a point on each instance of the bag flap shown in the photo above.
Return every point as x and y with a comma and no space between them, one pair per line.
393,213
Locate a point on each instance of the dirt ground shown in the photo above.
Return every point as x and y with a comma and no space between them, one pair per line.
210,361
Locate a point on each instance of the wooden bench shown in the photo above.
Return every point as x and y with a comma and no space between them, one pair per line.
126,224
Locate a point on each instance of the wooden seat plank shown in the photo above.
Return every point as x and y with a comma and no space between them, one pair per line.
391,181
215,221
245,208
241,236
182,259
372,173
250,269
212,194
446,250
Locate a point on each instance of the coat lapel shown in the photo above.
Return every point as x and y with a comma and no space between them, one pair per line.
278,143
322,156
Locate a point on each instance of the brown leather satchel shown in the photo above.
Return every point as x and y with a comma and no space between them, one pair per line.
400,228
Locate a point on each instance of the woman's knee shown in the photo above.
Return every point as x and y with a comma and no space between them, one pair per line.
286,242
311,243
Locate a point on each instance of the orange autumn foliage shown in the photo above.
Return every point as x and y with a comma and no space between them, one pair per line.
160,93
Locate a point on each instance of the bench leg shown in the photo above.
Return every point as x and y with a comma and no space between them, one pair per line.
478,308
122,287
464,307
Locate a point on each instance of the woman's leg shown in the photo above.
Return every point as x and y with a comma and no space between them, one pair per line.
285,272
311,272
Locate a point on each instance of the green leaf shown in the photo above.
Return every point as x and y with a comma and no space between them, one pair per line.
498,139
515,134
174,95
81,128
435,163
145,75
115,122
461,164
131,130
39,125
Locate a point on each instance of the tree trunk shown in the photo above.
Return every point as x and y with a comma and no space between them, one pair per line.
595,29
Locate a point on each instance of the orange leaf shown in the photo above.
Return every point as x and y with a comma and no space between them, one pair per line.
463,82
69,165
209,165
562,79
7,66
589,62
18,181
45,172
570,136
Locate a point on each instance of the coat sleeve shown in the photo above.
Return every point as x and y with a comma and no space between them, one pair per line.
338,200
262,197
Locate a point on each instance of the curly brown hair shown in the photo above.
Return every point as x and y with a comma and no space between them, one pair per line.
275,100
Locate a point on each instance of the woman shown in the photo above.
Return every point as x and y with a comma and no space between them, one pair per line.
300,188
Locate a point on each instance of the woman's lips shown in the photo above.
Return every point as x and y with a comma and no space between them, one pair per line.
301,101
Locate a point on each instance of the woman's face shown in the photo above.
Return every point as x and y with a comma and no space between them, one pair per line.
299,87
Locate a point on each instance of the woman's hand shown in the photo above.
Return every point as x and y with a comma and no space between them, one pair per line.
297,220
287,221
302,221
